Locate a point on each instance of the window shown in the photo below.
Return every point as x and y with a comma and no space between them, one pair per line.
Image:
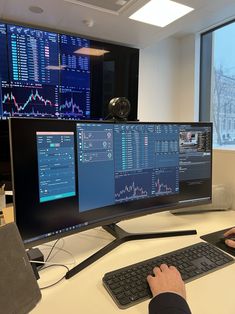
217,83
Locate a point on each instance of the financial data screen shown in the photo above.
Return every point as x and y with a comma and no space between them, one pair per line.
48,77
118,163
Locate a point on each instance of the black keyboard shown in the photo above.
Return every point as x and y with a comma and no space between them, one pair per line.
128,286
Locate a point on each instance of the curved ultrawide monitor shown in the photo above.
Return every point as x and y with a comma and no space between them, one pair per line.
69,176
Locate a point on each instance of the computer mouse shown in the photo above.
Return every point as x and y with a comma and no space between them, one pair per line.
227,238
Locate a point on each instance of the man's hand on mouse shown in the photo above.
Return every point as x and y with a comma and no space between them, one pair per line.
227,234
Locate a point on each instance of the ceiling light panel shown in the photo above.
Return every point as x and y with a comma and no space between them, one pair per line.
160,12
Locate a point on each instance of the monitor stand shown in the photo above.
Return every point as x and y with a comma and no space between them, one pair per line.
122,236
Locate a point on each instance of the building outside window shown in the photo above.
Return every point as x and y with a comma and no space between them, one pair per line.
217,83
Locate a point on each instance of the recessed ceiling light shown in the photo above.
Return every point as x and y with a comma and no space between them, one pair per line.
88,22
160,12
35,9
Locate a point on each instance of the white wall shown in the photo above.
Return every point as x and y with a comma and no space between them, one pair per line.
159,68
166,84
188,93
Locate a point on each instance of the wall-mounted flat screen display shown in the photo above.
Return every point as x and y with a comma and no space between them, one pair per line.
46,74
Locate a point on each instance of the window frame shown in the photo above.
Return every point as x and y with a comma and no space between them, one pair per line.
205,76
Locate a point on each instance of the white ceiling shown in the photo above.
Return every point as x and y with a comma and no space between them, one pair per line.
66,16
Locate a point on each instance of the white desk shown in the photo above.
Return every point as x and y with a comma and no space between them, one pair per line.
84,293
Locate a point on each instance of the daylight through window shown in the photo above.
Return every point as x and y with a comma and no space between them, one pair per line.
217,83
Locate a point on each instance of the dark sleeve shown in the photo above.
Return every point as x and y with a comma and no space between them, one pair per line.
168,303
